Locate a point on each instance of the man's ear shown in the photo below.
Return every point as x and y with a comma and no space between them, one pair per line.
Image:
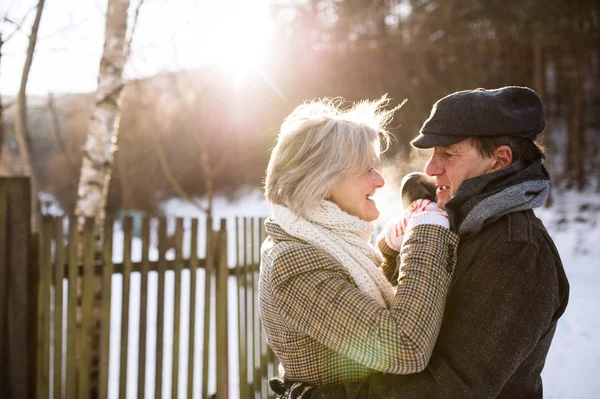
502,157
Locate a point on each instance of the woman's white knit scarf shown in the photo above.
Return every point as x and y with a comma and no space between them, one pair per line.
346,238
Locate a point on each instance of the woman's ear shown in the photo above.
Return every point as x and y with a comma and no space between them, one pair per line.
328,194
502,157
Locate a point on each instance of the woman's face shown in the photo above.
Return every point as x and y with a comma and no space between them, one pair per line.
353,194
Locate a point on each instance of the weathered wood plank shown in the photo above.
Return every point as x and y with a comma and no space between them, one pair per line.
86,308
241,301
107,273
19,265
71,370
248,305
126,289
162,248
45,276
207,296
177,307
264,360
192,315
255,329
4,284
144,270
59,257
221,298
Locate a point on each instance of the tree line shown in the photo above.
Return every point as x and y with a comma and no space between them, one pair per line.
192,133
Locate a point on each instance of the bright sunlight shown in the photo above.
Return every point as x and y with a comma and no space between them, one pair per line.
232,35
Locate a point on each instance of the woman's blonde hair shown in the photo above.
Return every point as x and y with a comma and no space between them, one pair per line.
321,142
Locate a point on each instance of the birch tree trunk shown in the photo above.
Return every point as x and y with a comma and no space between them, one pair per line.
100,145
97,162
21,130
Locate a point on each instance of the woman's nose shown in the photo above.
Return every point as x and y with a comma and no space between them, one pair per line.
378,180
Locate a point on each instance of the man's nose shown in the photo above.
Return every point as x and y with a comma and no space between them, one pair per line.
433,167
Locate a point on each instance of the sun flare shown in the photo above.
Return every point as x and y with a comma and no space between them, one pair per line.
235,35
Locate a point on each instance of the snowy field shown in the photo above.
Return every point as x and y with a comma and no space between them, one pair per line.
573,362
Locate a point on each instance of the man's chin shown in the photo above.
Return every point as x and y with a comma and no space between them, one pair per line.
441,202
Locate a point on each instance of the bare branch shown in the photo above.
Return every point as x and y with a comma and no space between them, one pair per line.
133,26
17,25
171,178
21,119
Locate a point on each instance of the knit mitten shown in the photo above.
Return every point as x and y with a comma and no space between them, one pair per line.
426,212
421,211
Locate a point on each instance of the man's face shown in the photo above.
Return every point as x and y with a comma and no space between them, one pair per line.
454,164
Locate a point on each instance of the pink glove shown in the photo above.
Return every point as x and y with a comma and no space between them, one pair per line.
421,211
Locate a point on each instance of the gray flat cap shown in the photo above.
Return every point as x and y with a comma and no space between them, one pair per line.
514,111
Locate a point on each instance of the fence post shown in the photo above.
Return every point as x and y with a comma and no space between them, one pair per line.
17,290
221,313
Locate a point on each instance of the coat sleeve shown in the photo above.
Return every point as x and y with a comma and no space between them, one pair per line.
391,259
322,303
498,313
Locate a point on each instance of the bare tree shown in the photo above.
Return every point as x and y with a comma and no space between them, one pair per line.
100,146
21,119
4,40
99,151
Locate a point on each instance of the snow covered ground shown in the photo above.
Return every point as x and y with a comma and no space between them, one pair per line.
573,362
572,365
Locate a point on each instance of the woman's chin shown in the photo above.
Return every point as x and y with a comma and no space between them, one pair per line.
372,216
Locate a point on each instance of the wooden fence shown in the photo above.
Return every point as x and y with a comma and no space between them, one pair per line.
17,291
75,301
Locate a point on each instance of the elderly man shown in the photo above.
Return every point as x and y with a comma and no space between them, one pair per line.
509,287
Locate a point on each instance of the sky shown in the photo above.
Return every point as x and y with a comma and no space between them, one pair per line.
169,36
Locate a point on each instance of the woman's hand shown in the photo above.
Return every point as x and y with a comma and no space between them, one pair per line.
421,211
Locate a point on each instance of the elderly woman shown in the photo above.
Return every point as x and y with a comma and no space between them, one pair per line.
329,313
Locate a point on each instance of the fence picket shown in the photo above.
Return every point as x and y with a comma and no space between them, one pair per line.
126,288
59,257
241,300
207,295
264,373
87,294
45,276
249,302
221,297
143,308
177,307
107,273
4,286
162,247
192,315
255,329
71,383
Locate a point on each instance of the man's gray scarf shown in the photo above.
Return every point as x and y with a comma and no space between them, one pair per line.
485,199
